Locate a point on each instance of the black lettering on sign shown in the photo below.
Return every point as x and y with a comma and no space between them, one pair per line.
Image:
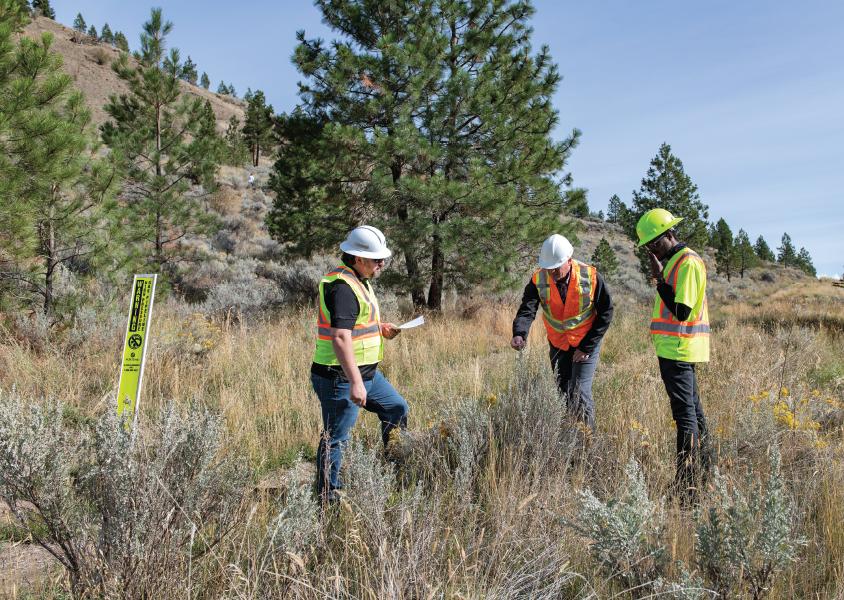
137,302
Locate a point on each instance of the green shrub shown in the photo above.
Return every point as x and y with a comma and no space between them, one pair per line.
745,539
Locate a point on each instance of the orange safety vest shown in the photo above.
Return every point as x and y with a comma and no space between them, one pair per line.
567,322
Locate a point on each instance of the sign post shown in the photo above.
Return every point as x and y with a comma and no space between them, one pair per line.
135,347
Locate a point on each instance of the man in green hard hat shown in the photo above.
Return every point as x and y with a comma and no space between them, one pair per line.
680,334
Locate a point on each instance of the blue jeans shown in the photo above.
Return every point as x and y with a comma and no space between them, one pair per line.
339,414
574,381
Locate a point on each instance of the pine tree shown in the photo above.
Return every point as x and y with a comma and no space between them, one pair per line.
575,203
236,152
604,259
258,125
43,8
431,120
92,32
763,251
231,91
618,213
120,42
713,237
667,186
248,95
205,81
164,138
189,71
79,23
804,262
54,189
786,256
725,252
223,89
745,255
106,34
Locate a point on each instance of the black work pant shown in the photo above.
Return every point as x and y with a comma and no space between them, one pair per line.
692,443
574,380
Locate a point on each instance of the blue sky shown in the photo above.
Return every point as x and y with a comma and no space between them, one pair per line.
749,94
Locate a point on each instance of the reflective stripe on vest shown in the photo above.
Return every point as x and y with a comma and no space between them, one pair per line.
367,342
667,323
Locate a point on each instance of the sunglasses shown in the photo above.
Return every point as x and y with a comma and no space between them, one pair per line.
378,261
651,244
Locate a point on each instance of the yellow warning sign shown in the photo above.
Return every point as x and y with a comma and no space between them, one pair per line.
135,346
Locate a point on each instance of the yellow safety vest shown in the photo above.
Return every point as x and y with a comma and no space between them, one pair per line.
687,341
367,342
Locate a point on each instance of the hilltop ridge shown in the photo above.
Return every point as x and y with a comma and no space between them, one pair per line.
89,64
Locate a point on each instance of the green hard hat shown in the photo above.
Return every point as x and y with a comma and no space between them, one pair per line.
654,223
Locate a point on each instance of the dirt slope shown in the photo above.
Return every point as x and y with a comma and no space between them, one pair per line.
89,64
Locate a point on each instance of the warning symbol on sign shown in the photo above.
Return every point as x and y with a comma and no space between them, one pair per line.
135,341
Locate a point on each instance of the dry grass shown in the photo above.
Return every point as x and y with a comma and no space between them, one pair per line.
508,526
91,71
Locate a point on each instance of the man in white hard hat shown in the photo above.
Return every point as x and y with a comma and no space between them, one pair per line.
577,310
349,346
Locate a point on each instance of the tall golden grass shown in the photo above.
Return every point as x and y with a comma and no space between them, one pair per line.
257,376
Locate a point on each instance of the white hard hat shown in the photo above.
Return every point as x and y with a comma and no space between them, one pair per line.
367,242
555,251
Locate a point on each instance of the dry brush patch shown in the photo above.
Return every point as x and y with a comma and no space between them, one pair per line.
483,502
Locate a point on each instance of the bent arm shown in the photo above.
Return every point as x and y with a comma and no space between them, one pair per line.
341,341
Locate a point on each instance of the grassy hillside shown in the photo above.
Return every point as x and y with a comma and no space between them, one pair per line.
89,64
493,493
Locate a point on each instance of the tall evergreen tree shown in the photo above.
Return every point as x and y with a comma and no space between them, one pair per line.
725,252
189,71
79,23
43,8
236,152
666,185
431,119
618,213
258,125
120,42
52,186
763,251
804,262
223,89
786,255
575,203
205,81
745,255
164,139
106,35
604,258
92,32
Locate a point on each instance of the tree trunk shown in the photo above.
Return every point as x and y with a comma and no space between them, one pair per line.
159,245
49,248
417,292
435,292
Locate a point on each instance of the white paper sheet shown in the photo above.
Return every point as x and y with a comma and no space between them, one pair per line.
414,323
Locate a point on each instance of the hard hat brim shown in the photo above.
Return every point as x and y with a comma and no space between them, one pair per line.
553,265
350,249
660,231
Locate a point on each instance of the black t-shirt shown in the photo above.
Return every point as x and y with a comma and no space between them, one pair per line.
343,306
